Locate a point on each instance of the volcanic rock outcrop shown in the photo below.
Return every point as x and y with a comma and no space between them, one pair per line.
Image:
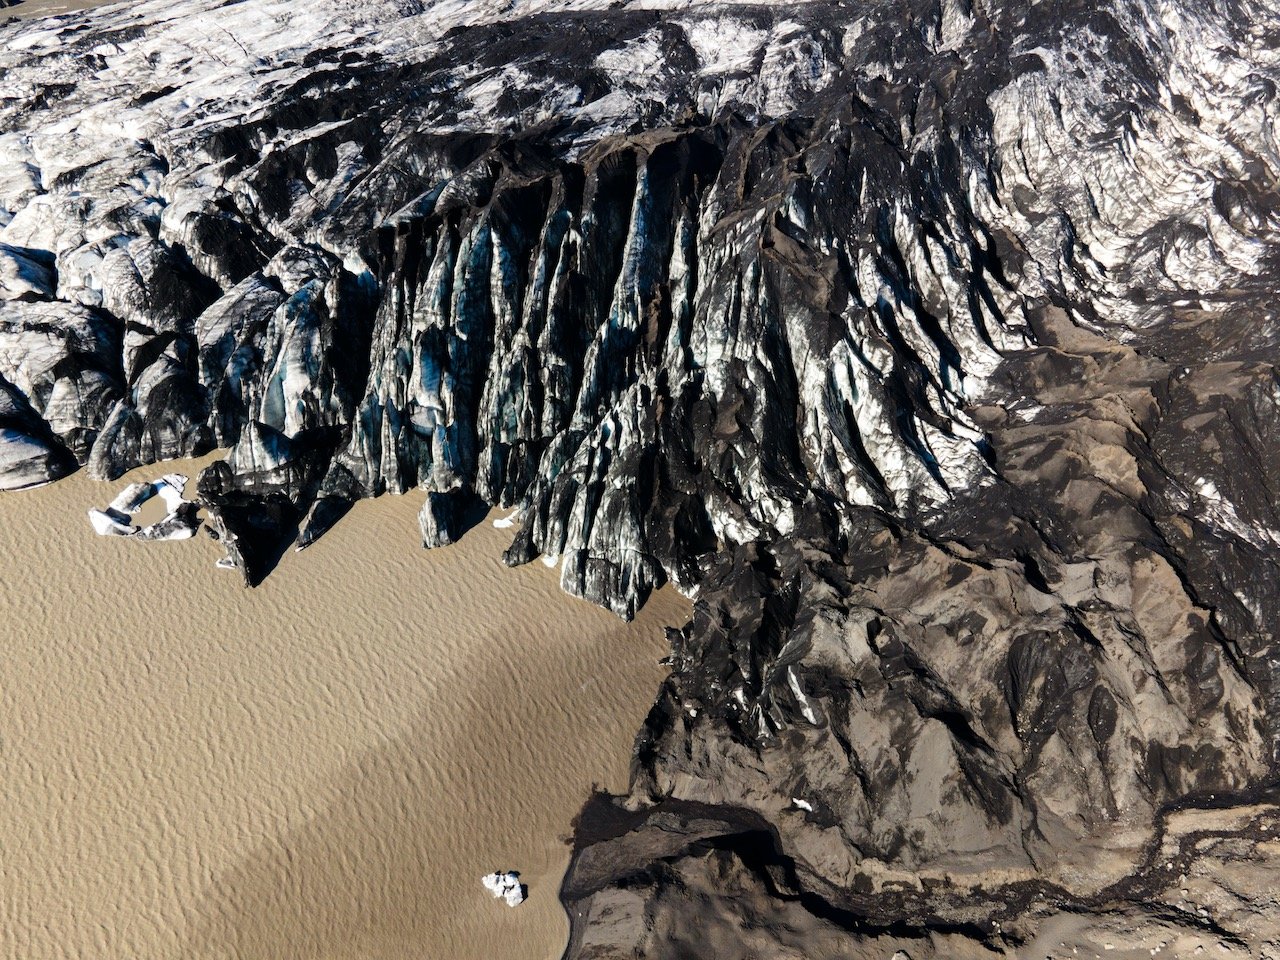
930,346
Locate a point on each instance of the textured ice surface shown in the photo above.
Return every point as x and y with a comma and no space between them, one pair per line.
179,522
505,885
930,345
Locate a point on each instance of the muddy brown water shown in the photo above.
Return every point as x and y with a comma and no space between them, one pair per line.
321,768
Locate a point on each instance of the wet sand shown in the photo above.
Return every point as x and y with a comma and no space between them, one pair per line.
322,767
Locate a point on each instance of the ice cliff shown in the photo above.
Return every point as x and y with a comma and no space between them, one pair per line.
929,345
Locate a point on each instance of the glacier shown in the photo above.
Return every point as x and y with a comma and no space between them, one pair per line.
928,346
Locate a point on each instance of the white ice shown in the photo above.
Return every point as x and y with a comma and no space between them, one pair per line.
506,886
114,521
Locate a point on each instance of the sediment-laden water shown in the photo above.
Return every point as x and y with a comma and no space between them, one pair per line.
322,767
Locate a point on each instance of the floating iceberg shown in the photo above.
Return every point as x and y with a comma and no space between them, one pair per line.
180,523
507,886
510,520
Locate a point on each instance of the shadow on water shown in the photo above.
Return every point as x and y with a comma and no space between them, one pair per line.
490,777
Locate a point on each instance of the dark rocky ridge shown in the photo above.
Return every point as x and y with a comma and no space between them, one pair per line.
931,347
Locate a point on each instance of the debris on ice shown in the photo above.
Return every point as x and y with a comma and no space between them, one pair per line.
180,523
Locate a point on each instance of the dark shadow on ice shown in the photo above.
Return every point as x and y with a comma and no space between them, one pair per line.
446,517
256,514
256,531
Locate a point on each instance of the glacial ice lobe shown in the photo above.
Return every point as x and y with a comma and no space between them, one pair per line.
25,274
64,359
178,194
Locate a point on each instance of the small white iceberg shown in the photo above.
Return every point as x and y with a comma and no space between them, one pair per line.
510,520
179,523
507,886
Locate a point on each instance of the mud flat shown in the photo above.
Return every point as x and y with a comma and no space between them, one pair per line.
321,767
